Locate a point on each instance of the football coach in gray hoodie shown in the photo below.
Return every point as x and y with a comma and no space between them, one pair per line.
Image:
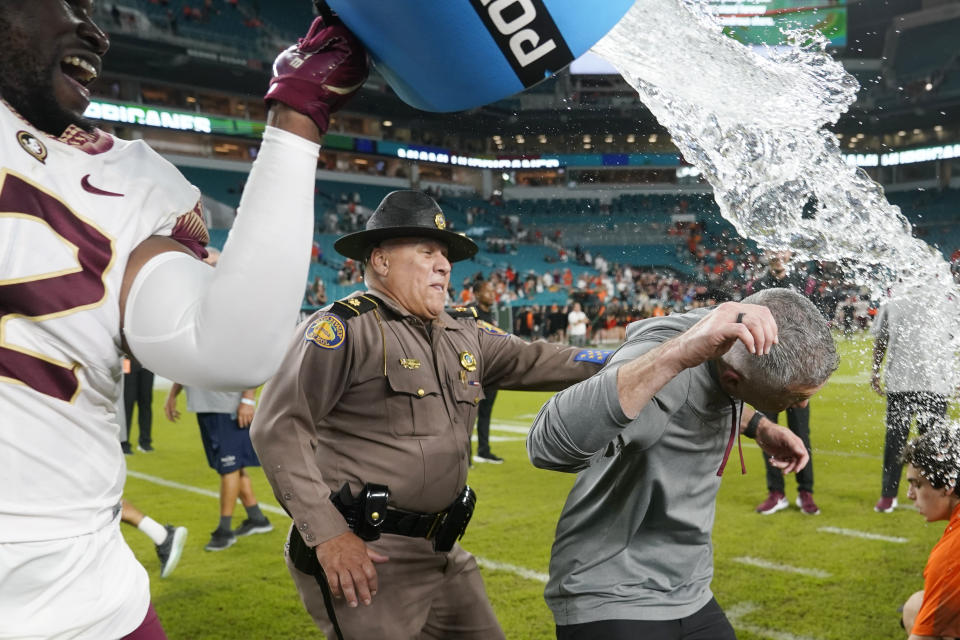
649,437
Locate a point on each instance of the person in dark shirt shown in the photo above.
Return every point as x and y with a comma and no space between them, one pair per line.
485,301
798,418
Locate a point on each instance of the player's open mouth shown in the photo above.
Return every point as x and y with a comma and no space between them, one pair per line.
80,71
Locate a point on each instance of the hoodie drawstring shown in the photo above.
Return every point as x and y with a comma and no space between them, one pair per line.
734,431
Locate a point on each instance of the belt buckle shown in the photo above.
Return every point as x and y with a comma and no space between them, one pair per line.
437,521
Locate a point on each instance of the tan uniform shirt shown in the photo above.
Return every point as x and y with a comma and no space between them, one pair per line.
383,397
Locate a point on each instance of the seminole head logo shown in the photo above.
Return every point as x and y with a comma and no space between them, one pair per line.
32,145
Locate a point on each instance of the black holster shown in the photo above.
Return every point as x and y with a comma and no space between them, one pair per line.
455,522
366,512
304,558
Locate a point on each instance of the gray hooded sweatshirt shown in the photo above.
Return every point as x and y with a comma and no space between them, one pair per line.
633,540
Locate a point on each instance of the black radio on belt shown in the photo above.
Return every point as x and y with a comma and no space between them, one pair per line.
365,513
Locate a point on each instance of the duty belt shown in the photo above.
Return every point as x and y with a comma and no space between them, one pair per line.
368,516
412,524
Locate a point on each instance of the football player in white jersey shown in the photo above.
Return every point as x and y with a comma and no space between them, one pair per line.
99,247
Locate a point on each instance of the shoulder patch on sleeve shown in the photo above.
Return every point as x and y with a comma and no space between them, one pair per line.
327,331
598,356
486,327
462,312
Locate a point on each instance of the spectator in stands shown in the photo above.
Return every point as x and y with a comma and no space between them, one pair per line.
577,326
911,331
316,295
933,465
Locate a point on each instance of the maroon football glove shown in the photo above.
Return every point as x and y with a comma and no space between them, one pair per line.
320,73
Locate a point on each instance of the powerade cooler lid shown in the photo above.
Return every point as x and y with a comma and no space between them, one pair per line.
451,55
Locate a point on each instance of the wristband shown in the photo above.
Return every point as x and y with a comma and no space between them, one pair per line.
249,401
752,424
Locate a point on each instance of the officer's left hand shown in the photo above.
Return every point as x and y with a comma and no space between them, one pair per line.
785,448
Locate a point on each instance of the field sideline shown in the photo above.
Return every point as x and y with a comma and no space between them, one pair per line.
837,576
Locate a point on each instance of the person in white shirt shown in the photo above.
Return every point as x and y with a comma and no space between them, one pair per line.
577,326
913,330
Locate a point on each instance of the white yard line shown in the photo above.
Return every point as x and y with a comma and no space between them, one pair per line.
499,426
773,566
197,490
523,572
500,439
743,609
866,535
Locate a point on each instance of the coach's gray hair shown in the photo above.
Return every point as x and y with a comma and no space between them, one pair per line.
805,354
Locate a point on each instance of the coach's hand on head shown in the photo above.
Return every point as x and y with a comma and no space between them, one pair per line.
717,332
315,78
348,564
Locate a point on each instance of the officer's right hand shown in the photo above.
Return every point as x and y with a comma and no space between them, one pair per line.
348,563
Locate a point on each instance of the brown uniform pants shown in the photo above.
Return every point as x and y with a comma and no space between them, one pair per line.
421,595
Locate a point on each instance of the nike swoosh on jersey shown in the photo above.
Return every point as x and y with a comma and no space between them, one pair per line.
85,183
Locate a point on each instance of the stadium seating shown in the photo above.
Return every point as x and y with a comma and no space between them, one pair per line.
926,49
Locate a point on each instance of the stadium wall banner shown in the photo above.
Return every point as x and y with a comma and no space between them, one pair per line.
908,156
765,22
143,115
148,116
440,55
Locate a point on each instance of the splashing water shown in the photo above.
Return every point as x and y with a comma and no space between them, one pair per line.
754,126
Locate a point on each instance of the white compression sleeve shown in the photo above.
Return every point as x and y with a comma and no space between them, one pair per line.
228,327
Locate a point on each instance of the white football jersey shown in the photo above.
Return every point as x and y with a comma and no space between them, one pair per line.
71,211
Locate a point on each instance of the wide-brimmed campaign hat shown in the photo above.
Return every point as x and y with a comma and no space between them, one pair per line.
406,214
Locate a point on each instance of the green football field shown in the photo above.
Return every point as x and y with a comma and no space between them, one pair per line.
840,575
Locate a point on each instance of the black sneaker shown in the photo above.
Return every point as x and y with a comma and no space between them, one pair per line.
171,548
250,527
125,447
145,448
220,540
491,458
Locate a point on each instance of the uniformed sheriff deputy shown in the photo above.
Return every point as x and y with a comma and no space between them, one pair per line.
364,433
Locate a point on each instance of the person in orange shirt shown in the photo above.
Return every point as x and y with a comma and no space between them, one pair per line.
933,461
